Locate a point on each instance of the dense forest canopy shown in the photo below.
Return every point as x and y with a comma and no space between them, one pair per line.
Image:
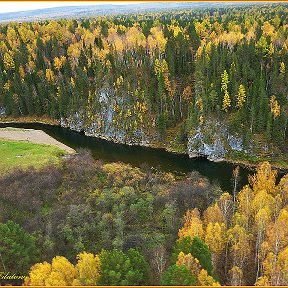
90,223
87,206
159,72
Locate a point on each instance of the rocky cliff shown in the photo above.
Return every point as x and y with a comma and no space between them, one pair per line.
107,124
211,140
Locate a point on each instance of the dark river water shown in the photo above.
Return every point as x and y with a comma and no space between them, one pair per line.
220,172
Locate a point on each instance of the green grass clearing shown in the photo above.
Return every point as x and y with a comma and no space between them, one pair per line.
24,154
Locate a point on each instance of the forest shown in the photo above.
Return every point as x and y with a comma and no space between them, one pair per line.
86,222
157,78
171,79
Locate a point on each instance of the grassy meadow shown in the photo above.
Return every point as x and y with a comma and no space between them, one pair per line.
24,154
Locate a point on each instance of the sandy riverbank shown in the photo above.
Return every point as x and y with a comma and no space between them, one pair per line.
33,136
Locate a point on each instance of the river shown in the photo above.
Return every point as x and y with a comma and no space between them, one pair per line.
220,172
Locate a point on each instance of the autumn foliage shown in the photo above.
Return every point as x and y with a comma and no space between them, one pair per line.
176,73
249,245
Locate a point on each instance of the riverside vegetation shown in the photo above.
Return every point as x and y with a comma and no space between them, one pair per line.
209,82
89,223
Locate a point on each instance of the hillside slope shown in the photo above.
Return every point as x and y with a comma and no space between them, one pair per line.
209,82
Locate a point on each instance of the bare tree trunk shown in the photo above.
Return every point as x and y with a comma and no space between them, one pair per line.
226,259
180,106
235,183
257,259
159,260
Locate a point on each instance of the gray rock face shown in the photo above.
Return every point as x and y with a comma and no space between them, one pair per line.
105,127
213,141
74,122
2,111
235,143
108,132
197,146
